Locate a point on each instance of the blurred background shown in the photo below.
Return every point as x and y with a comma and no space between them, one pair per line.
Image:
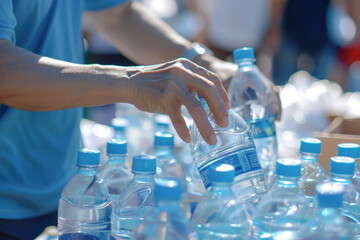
311,49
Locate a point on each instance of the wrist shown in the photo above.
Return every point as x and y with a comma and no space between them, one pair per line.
196,53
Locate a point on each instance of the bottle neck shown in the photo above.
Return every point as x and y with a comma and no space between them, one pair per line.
163,150
249,63
309,157
120,134
117,158
221,188
341,178
168,204
329,212
88,171
143,177
287,182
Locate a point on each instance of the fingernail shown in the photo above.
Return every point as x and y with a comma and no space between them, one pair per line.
225,121
187,139
213,139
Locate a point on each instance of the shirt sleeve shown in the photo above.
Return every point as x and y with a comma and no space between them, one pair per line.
7,21
95,5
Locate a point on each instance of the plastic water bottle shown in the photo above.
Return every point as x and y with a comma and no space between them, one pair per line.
137,201
163,150
235,146
342,171
252,99
284,208
219,215
161,123
312,173
115,172
328,222
351,150
119,125
168,221
85,205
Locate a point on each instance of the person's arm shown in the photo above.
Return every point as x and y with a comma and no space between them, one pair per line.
34,83
145,39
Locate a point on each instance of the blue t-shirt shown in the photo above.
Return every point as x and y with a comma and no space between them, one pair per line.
38,149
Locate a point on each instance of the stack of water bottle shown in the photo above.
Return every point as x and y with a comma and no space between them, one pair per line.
250,193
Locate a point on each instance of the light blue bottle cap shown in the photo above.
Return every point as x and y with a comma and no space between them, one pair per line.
222,173
168,189
243,53
310,145
164,139
144,164
288,167
330,194
116,146
349,150
342,165
119,124
87,157
162,120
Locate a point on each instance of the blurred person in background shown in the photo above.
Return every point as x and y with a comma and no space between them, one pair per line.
234,24
44,85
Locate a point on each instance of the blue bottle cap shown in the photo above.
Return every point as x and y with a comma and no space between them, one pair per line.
243,53
119,124
330,194
288,167
222,173
342,165
144,164
164,139
349,150
116,146
168,189
310,145
87,157
162,120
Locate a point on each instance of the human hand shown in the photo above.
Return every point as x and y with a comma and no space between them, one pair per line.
164,88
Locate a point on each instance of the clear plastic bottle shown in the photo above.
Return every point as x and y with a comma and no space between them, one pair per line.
328,222
163,150
137,201
161,123
235,146
219,215
119,125
342,171
284,208
252,99
115,172
85,206
312,173
351,150
168,221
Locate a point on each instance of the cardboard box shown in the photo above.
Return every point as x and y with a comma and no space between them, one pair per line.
340,130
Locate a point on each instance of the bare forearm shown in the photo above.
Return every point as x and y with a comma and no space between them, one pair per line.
139,34
36,83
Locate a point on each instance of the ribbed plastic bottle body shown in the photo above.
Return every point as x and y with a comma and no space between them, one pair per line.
252,99
351,202
134,205
167,222
312,173
220,216
282,211
235,146
85,207
116,174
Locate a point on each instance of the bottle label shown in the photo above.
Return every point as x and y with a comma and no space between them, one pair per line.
262,128
244,160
